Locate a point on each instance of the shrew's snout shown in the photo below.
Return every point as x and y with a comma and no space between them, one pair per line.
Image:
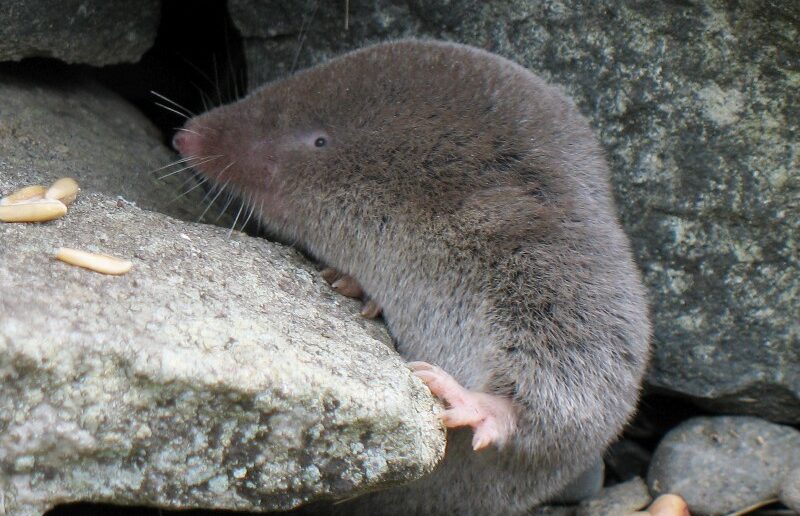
187,143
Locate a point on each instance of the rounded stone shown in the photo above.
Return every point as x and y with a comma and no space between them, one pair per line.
722,464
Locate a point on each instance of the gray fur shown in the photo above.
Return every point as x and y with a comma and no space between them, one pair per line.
472,202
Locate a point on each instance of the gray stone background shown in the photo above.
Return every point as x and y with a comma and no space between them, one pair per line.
697,104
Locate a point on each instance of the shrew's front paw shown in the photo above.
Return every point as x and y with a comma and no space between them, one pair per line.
342,283
491,417
348,286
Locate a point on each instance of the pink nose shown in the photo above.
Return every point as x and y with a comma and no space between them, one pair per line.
182,141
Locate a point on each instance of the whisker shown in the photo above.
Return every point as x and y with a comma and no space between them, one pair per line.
206,160
172,102
209,193
232,77
225,208
260,216
250,213
211,203
216,79
182,115
203,96
197,69
198,185
217,180
182,160
304,28
236,219
181,169
188,180
187,130
192,177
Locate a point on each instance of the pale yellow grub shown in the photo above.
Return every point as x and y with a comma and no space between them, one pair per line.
96,262
40,210
29,193
102,263
65,190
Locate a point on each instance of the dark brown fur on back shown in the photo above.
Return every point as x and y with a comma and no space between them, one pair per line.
472,202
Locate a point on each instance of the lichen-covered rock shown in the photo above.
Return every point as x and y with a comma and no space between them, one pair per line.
95,32
697,104
54,123
218,373
722,464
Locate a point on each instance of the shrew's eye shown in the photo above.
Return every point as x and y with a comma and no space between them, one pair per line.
320,142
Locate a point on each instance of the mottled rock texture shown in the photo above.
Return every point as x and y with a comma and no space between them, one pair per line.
217,373
723,464
95,32
698,106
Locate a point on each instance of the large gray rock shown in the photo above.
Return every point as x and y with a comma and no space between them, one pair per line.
217,373
722,464
790,491
53,123
95,32
283,36
698,106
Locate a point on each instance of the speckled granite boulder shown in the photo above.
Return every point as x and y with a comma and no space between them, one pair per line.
95,32
218,373
697,104
723,464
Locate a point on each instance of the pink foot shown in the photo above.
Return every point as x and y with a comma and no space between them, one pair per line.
491,417
348,286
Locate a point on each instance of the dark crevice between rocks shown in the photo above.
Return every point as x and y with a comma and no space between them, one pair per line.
197,60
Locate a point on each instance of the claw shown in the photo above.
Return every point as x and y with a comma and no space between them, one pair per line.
329,274
491,417
371,309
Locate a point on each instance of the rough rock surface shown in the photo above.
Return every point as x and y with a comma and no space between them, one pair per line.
217,373
620,499
96,32
722,464
272,31
790,491
697,104
55,124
